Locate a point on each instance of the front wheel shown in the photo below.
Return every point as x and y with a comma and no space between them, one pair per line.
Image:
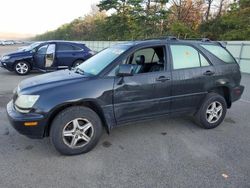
76,130
22,68
212,112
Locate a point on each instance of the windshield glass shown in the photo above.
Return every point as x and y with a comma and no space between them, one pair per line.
32,46
98,62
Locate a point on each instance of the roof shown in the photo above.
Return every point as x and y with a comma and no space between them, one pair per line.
174,40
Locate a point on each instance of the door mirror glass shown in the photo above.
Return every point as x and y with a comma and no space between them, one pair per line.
125,70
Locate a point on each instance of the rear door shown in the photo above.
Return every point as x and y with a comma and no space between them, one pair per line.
191,73
67,54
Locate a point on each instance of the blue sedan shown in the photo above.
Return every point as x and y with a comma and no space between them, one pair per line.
46,56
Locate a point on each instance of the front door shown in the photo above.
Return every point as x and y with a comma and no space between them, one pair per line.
137,97
50,56
39,57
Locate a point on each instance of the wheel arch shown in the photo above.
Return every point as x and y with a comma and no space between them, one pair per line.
22,60
90,104
79,59
225,92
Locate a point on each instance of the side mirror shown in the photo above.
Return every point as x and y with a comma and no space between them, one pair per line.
125,70
33,51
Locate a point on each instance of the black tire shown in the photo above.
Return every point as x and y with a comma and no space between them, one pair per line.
202,116
61,122
77,62
22,68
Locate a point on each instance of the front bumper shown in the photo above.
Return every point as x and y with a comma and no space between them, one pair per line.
18,121
7,65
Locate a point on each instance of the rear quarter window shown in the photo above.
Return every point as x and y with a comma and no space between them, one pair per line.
220,53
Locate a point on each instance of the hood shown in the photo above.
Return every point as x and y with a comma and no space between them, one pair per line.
50,80
18,53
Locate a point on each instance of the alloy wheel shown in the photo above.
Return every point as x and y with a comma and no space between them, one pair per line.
214,112
22,68
77,133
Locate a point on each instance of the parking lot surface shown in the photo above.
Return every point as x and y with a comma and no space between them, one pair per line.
168,152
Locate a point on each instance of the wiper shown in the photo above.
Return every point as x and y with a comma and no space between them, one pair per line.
79,71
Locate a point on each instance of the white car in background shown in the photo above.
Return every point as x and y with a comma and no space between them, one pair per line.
9,42
2,43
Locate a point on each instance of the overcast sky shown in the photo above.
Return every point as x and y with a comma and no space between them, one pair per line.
38,16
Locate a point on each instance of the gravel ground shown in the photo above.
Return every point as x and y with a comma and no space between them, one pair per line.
168,152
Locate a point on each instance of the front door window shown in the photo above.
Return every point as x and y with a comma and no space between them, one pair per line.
50,55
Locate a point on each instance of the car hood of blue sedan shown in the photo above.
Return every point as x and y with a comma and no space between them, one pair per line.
19,54
50,80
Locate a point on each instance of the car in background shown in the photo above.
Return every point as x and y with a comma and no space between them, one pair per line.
2,43
9,42
46,56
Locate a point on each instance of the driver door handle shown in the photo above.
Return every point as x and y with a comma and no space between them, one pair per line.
209,73
162,79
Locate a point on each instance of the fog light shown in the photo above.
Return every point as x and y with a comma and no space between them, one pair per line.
31,124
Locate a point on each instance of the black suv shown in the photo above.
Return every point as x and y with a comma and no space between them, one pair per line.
127,82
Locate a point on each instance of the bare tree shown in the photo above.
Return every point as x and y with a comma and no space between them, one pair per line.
209,4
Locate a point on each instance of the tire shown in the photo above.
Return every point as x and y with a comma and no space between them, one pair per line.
63,134
77,62
207,116
22,68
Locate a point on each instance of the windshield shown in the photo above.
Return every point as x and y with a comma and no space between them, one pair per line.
97,63
32,46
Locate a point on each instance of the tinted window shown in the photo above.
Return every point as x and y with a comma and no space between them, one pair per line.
148,53
76,48
67,47
184,57
42,49
154,58
187,57
204,61
219,52
51,49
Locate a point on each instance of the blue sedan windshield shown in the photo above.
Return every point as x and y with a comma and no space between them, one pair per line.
32,46
98,62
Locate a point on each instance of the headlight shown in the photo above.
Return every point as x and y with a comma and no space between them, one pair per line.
16,90
4,58
26,101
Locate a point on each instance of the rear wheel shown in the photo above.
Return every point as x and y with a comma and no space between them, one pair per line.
212,112
75,130
22,68
77,63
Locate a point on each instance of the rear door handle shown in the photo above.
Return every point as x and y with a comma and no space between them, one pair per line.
162,79
209,73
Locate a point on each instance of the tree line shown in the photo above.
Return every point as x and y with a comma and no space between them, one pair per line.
141,19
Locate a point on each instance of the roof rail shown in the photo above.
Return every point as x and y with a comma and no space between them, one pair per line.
205,40
222,43
163,38
199,39
171,38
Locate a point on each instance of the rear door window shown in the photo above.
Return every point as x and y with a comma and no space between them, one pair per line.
187,57
67,47
220,53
